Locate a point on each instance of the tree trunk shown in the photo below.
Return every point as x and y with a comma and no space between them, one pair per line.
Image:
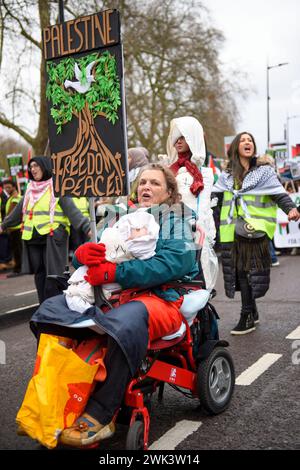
89,167
41,139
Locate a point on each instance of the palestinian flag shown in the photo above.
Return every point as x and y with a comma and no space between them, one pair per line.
212,165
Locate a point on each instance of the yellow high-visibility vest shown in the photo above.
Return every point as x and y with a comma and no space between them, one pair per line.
38,217
262,211
9,202
82,204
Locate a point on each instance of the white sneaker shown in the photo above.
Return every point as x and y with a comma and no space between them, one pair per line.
276,263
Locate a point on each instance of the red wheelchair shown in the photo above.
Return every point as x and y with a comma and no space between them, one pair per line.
194,359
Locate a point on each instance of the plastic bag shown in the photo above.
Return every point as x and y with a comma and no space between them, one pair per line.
210,265
57,393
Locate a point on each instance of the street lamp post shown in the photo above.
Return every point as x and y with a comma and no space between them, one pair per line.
268,97
61,11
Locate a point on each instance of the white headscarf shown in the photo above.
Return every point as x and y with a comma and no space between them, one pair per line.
191,129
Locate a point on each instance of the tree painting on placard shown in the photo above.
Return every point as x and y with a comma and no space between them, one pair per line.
86,87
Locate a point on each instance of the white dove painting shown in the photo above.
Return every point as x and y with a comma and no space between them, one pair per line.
84,80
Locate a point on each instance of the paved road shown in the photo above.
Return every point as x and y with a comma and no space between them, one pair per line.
16,292
263,414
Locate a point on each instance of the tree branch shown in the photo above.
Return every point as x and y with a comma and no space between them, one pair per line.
136,126
2,19
7,123
23,31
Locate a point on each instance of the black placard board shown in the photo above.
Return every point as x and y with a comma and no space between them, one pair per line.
86,108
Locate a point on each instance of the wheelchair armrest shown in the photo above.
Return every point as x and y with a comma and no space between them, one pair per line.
113,288
182,282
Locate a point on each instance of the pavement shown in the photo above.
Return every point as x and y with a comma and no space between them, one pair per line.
264,412
18,298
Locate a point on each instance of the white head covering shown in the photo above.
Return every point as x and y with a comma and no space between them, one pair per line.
191,129
119,246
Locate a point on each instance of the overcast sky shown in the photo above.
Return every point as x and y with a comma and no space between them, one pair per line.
258,31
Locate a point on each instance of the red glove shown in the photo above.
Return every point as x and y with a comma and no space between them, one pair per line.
101,274
90,253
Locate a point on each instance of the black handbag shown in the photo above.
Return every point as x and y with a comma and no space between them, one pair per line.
245,230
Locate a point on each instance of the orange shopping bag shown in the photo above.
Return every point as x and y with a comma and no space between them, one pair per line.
93,351
58,392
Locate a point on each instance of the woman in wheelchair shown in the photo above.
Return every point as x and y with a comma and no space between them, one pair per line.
152,314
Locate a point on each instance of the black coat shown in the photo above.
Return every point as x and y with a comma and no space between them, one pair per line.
259,279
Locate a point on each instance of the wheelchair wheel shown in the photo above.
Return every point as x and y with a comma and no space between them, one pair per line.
215,381
135,436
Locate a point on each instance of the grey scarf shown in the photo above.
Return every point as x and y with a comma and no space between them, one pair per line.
260,181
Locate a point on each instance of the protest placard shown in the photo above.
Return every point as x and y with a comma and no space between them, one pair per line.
87,128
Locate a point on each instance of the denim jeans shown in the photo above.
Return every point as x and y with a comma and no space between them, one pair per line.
272,252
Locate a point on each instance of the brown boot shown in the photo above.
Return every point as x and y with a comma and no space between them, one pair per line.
4,267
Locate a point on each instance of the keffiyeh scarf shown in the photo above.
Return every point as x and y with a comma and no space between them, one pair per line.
262,181
35,190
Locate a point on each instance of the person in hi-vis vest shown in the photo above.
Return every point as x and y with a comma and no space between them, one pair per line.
249,189
14,233
46,221
78,237
5,252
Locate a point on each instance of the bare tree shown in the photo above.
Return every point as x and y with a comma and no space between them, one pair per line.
172,70
171,60
21,22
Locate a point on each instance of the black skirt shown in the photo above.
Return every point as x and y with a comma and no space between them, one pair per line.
252,254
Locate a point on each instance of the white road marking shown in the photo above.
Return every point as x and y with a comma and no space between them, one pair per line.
25,292
294,334
22,308
254,371
174,436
